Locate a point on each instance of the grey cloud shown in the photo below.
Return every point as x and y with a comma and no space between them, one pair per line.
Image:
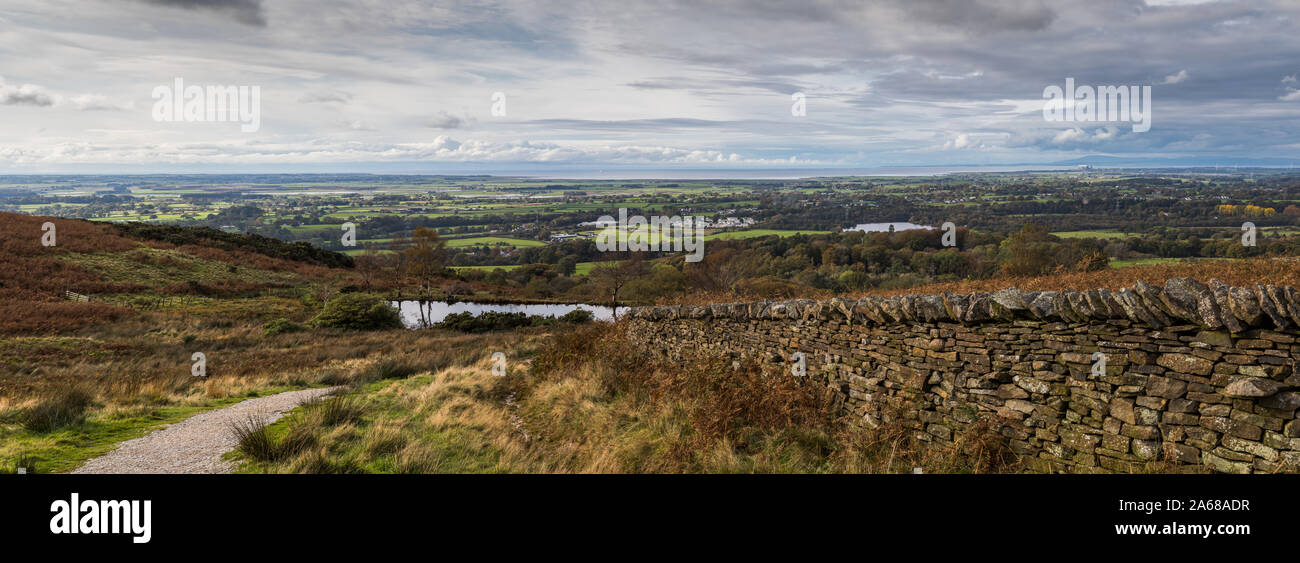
983,15
445,120
325,96
244,11
25,95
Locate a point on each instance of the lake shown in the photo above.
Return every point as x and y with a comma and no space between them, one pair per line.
884,227
419,314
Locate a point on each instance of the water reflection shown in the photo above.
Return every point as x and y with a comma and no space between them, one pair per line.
419,314
884,227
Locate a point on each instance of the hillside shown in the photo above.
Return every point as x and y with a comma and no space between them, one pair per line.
124,265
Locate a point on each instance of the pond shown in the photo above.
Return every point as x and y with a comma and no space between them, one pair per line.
418,314
884,227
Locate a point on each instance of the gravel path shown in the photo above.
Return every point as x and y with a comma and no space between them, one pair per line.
196,444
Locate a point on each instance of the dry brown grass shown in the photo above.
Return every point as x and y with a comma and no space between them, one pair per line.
592,406
33,277
1243,272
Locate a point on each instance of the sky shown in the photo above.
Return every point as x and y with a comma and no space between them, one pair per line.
397,85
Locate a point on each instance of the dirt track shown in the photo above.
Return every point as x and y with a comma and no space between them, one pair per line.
196,444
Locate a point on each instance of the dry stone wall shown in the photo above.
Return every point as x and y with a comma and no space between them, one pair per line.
1196,376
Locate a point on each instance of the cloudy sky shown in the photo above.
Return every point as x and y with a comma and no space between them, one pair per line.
405,84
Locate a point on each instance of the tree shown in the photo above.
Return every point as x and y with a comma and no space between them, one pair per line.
370,265
425,257
722,269
613,276
568,265
1027,252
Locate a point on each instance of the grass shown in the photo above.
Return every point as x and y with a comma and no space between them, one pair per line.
155,267
98,433
487,268
1128,263
492,241
580,269
409,416
578,402
1244,272
1098,233
258,442
751,233
66,399
64,407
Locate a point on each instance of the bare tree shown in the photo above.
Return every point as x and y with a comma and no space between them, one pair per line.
370,265
612,276
425,257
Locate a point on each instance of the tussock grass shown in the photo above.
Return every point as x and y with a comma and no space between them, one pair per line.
578,401
333,411
60,408
392,369
24,462
257,441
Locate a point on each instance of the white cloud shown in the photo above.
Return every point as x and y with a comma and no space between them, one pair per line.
441,149
1291,95
96,102
1079,136
1069,136
654,81
963,141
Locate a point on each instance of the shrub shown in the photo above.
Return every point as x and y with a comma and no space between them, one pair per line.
458,288
281,326
577,316
467,322
64,407
358,311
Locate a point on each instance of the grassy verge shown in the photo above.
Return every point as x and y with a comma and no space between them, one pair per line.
578,402
67,446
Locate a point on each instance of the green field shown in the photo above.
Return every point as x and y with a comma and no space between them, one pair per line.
1117,263
580,269
1100,233
492,241
751,233
487,268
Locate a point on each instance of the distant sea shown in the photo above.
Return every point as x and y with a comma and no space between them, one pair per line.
772,173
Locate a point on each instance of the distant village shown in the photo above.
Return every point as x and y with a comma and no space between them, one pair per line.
705,222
